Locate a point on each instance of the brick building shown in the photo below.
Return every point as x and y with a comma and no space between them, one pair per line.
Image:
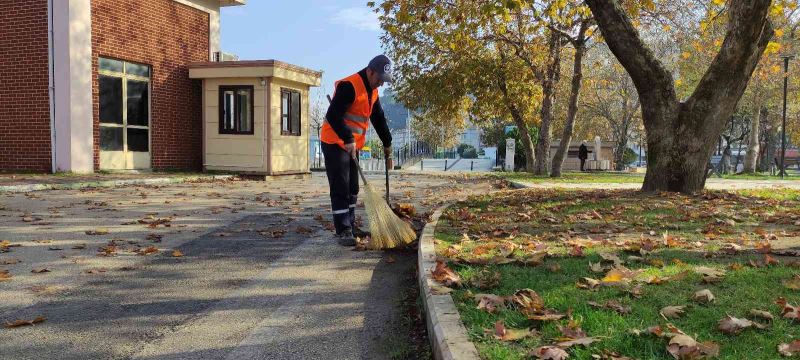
104,84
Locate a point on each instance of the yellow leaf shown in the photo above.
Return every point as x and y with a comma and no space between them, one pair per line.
718,2
772,48
678,82
686,55
667,27
776,10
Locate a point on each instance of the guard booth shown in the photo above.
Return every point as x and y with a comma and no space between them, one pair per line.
256,116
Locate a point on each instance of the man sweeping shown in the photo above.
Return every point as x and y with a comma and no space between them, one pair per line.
355,103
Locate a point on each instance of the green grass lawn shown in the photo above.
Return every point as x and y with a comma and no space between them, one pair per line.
657,235
576,177
614,177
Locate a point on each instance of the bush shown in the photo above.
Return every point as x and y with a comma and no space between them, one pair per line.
463,147
470,153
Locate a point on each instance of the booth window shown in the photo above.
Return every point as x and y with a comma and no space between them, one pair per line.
236,110
290,112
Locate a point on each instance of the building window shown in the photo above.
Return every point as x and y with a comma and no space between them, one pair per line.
290,112
236,110
124,105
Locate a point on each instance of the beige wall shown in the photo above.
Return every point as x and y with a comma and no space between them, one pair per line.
234,152
289,153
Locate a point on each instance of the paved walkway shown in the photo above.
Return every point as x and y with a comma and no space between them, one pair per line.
260,277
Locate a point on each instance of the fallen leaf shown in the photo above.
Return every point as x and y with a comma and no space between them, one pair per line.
710,275
528,301
766,315
587,283
793,283
485,279
672,312
79,247
789,349
9,261
788,311
550,353
769,260
506,334
612,305
96,271
100,231
20,323
177,253
147,251
732,326
5,275
445,275
596,267
585,341
490,302
704,296
40,270
440,290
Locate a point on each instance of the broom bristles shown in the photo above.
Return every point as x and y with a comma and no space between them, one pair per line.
388,230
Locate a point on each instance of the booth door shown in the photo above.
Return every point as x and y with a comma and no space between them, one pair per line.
124,115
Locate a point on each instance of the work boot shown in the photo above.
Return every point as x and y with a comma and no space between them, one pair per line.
357,232
345,238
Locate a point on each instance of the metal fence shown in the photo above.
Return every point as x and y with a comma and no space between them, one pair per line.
402,156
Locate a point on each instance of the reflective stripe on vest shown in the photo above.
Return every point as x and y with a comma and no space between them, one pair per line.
353,129
356,118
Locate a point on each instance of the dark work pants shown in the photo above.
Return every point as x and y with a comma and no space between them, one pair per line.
583,163
343,181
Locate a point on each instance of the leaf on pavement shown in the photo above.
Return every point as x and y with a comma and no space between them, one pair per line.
445,275
19,323
672,312
40,270
9,261
147,251
177,253
99,231
5,275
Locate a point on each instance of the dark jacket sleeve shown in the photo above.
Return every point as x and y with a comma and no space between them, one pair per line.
342,99
380,123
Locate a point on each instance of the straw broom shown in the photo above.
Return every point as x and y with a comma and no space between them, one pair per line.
387,229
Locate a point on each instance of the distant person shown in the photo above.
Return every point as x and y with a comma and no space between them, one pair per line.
355,103
583,154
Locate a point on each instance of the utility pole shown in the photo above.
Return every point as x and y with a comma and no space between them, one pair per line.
783,126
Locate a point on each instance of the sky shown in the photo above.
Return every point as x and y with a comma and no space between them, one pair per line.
338,37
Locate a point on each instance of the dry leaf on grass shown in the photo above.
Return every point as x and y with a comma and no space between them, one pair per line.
793,283
486,279
612,305
501,332
490,302
710,275
528,301
445,275
550,353
732,326
766,315
672,312
788,311
703,296
587,283
789,349
609,355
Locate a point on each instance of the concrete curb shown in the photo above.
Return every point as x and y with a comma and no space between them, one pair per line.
447,334
108,183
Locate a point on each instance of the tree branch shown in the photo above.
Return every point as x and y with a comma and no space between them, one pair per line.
653,81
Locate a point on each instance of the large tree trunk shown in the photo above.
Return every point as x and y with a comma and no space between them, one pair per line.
522,127
619,152
681,135
548,93
572,109
753,146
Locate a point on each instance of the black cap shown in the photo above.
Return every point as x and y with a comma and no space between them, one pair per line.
383,66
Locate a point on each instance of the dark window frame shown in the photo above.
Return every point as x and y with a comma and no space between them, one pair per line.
236,114
291,131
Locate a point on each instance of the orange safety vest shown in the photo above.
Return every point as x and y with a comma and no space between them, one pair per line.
356,117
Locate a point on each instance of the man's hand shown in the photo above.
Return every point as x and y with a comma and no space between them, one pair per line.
351,149
387,153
